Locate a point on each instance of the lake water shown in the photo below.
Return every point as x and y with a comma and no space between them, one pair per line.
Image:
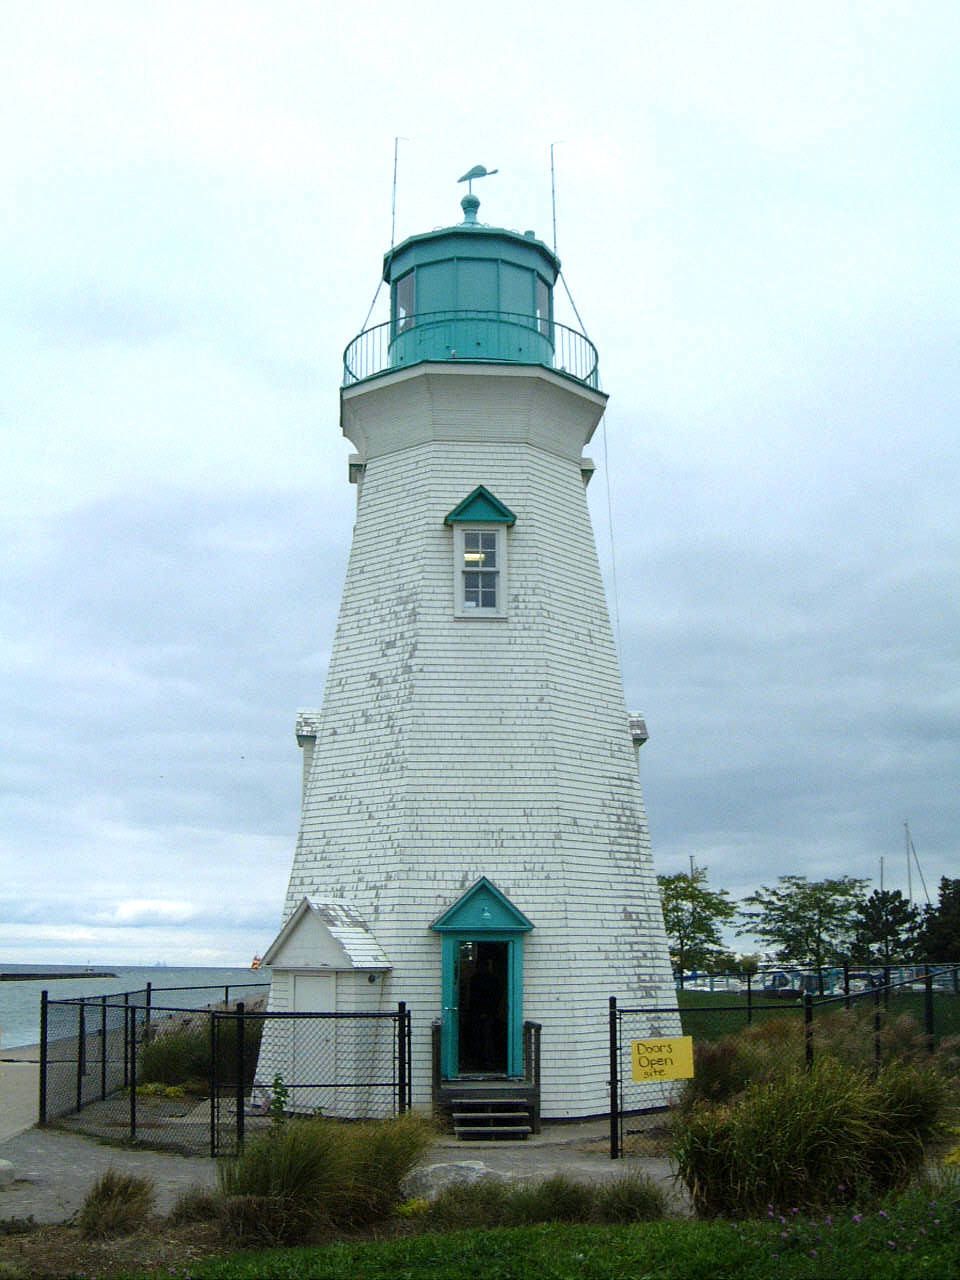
20,1000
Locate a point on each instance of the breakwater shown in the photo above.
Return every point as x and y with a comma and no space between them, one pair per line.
49,977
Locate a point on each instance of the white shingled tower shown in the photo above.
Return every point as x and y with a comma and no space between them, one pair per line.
473,839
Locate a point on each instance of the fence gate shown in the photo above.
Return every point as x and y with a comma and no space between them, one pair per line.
628,1097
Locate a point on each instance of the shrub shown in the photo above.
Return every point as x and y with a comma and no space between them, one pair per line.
308,1175
769,1048
794,1141
117,1203
182,1055
157,1090
175,1056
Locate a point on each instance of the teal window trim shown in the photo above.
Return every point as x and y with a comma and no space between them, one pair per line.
480,507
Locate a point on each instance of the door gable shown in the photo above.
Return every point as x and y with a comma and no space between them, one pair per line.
482,909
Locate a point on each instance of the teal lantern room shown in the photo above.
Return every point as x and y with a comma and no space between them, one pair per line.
471,293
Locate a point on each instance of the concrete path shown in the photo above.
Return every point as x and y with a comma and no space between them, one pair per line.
52,1171
19,1094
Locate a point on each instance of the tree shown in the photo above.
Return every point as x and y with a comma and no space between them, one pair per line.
810,922
692,915
886,928
940,932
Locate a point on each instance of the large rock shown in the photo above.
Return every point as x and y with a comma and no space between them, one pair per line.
429,1180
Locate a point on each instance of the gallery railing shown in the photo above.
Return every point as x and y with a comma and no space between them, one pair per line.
497,337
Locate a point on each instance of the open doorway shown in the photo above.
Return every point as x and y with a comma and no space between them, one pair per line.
483,1007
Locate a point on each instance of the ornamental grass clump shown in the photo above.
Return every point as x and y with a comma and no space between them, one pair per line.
630,1198
796,1139
115,1205
381,1154
497,1203
304,1177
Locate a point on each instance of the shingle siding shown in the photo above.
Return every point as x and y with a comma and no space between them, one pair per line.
453,748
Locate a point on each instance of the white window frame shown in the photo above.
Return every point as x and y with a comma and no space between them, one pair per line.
461,610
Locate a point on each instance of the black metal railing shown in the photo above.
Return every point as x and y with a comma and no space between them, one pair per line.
486,336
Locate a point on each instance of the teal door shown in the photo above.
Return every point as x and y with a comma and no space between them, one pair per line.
482,984
483,1009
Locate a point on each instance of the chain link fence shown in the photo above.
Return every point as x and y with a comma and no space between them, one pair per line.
867,1019
127,1069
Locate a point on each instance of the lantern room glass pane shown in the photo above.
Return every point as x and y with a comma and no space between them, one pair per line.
543,307
403,303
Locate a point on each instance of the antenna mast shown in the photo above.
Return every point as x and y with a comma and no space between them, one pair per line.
553,195
393,209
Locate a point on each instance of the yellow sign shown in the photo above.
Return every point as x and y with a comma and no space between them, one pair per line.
666,1059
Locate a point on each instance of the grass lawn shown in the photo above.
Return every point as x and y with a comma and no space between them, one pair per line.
710,1015
915,1236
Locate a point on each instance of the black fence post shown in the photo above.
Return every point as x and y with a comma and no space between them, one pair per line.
149,994
214,1083
749,999
131,1019
614,1082
928,1005
808,1028
846,985
886,986
409,1039
402,1056
81,1050
42,1102
103,1048
876,1023
241,1069
126,1040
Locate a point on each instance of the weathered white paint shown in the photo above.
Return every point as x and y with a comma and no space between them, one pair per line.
450,748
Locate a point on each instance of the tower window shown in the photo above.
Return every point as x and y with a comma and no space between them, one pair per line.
480,571
480,524
479,582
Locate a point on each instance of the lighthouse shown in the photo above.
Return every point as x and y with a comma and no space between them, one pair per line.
472,838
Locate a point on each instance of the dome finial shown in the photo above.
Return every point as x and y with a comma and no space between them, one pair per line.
470,204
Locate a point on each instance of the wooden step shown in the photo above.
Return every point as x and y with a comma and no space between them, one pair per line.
493,1131
491,1115
488,1102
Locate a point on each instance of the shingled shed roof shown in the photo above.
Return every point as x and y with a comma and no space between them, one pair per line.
325,935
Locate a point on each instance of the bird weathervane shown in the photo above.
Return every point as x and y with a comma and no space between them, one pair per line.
478,171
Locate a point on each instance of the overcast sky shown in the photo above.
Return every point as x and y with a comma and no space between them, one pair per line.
757,217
